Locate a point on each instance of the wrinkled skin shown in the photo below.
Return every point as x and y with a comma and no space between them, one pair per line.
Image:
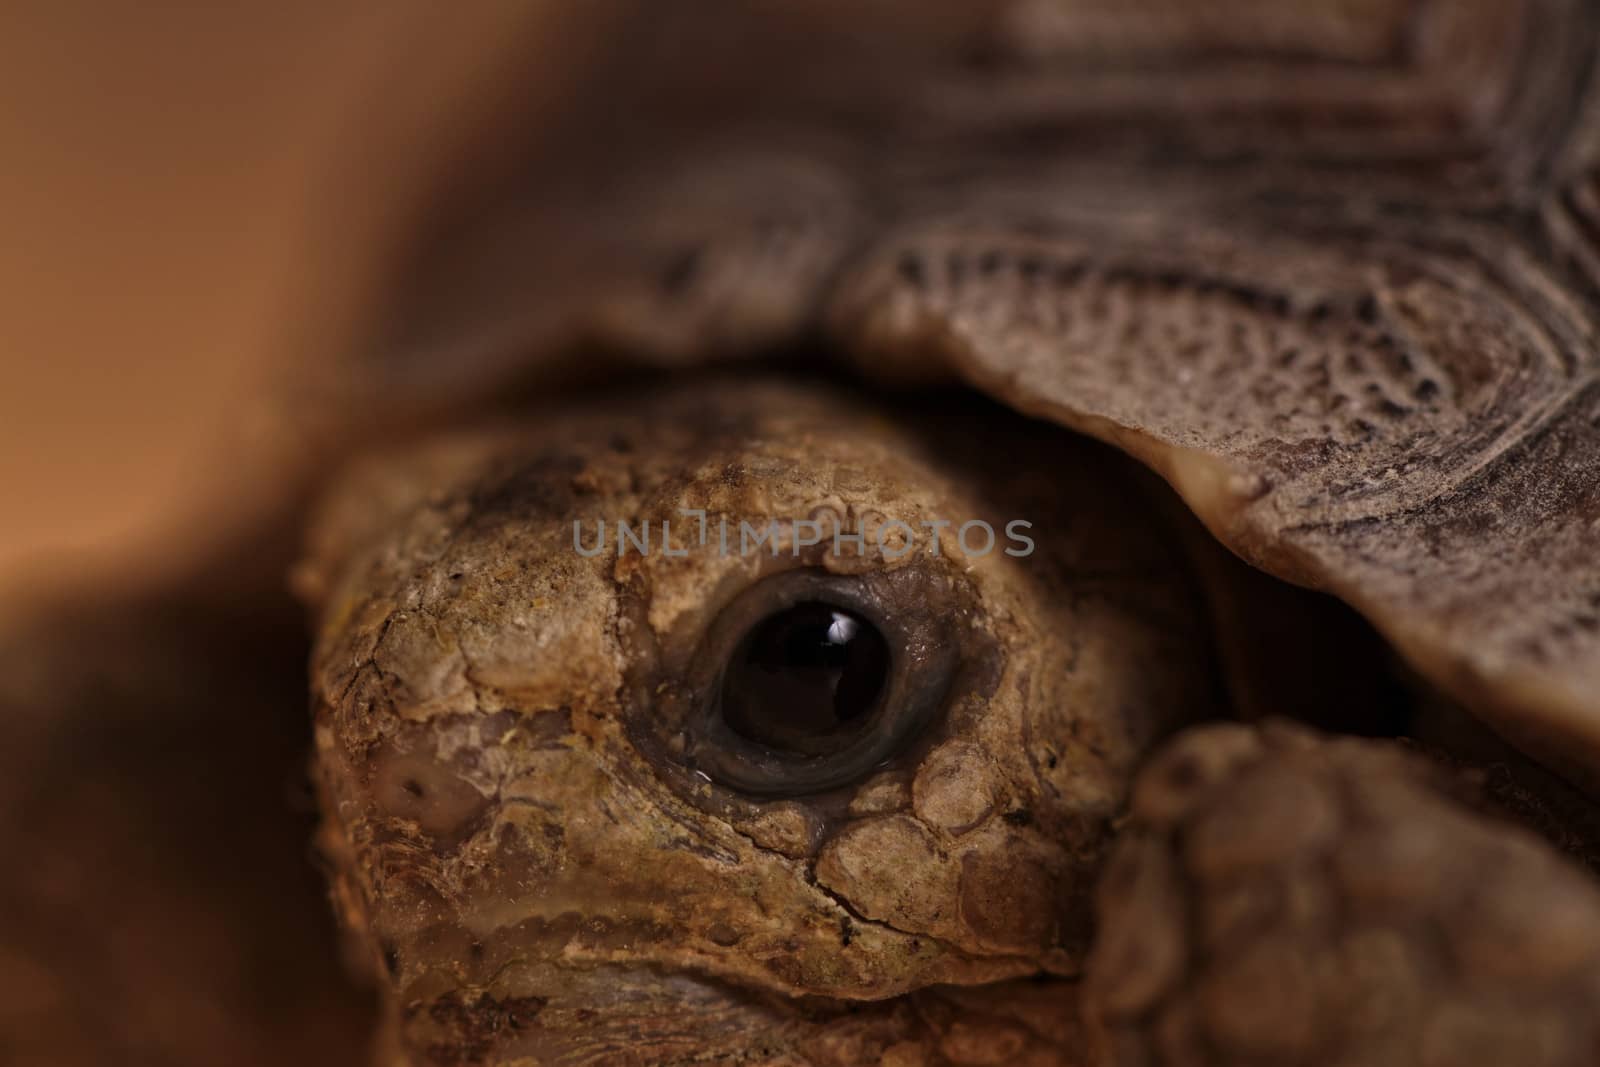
548,855
517,823
1329,269
1279,897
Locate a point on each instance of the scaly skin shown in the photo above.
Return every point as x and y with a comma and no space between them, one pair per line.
1285,898
534,870
525,851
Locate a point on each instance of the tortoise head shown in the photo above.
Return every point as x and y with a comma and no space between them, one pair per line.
585,793
834,792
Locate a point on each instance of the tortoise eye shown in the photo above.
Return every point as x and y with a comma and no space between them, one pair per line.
805,679
808,681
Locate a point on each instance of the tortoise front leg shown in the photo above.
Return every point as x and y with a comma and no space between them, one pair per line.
1285,898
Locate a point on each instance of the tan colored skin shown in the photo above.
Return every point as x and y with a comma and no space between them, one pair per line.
1282,898
528,855
516,834
1330,268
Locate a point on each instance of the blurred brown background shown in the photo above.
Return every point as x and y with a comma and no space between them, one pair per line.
195,199
206,213
198,206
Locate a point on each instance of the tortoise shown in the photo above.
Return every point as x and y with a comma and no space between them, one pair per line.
1246,712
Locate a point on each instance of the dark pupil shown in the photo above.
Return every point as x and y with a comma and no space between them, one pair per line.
805,678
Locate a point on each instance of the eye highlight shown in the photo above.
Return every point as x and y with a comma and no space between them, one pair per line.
805,678
809,680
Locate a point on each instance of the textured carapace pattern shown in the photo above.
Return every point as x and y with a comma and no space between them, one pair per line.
521,837
1332,268
1284,898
